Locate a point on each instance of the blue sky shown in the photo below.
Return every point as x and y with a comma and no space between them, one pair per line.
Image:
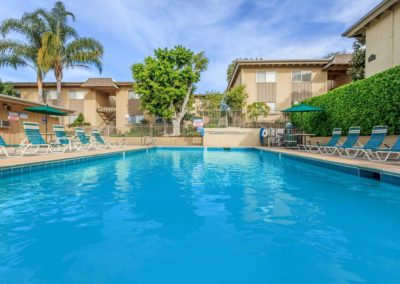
224,29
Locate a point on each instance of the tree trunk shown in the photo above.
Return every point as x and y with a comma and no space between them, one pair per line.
39,82
165,126
177,119
176,122
59,79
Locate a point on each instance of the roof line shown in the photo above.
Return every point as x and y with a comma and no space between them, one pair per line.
28,102
354,30
275,61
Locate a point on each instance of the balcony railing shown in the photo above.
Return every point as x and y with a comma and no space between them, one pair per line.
107,109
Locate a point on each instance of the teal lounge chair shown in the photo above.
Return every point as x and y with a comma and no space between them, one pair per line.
100,143
378,135
383,154
4,146
83,141
104,144
33,141
336,133
62,139
351,140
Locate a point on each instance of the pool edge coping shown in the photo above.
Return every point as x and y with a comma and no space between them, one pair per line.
362,170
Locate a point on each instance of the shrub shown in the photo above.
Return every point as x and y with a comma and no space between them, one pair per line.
365,103
79,122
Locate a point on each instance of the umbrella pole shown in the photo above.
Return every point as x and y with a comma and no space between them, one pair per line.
46,128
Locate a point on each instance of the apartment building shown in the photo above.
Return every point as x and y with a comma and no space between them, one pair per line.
381,30
103,101
13,114
280,83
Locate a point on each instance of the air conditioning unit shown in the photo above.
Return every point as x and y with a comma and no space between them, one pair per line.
5,124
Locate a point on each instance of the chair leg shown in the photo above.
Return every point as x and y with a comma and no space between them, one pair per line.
3,149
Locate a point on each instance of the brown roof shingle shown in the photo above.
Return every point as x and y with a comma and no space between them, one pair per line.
99,82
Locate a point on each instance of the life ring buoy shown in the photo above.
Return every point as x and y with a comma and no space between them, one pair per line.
263,134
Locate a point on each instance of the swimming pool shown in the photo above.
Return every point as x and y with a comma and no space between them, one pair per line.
195,216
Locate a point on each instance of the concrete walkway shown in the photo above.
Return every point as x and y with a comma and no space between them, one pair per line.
389,168
40,158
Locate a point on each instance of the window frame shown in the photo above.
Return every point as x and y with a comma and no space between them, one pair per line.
271,110
136,96
265,77
301,75
76,92
53,94
141,116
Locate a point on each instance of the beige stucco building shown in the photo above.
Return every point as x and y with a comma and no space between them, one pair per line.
13,114
102,101
381,30
280,83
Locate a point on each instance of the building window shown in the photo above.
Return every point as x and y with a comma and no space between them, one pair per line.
50,94
135,119
132,95
301,76
72,118
76,95
272,107
265,77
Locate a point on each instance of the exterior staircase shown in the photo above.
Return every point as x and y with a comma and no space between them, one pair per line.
108,115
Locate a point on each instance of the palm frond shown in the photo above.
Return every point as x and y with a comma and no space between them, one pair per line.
86,51
12,60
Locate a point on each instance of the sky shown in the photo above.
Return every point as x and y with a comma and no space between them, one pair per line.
224,29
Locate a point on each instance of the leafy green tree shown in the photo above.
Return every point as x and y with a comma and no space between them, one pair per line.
212,101
8,89
166,82
23,52
62,48
236,98
334,53
255,110
229,71
357,63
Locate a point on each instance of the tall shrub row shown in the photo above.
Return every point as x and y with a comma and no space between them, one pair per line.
365,103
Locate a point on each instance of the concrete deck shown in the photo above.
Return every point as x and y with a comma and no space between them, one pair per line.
388,168
13,161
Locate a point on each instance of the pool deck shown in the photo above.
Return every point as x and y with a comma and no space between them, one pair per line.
14,161
388,168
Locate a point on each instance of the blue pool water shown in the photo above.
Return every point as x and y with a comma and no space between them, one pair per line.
194,216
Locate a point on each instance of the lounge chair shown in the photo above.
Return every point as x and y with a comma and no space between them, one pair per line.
33,141
378,135
351,140
62,139
383,154
83,142
4,146
100,143
336,133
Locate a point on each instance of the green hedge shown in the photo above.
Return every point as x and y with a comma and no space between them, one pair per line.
366,103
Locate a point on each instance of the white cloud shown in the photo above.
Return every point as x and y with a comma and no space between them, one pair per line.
224,29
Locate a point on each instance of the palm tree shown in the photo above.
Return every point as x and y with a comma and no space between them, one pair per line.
18,53
256,110
62,48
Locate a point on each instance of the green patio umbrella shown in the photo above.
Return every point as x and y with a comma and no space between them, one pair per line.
47,110
302,108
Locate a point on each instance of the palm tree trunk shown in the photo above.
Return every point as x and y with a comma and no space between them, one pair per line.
39,82
59,79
